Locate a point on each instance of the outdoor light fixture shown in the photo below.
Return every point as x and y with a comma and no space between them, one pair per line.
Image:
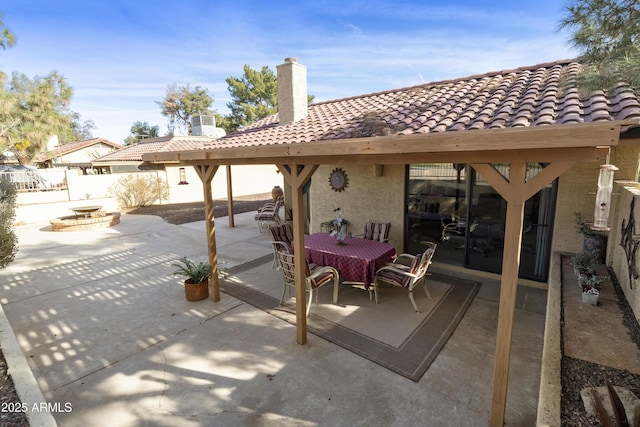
183,177
603,197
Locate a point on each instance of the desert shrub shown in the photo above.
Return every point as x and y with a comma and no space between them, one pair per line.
137,190
8,239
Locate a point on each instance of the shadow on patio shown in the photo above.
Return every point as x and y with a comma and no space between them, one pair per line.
112,336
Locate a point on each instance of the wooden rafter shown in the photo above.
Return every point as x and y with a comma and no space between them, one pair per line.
494,145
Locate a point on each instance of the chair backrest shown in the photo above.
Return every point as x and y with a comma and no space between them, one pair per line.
378,231
272,207
288,269
421,263
282,233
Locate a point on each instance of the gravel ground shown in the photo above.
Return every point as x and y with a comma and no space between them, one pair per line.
578,374
10,413
180,213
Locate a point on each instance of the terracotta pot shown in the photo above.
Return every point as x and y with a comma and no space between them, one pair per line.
276,192
196,291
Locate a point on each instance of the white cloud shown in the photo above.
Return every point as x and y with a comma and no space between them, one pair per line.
119,56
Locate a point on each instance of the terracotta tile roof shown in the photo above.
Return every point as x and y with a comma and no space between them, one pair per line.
133,153
74,146
527,96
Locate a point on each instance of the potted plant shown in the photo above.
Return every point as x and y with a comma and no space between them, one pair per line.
594,243
591,284
582,263
196,285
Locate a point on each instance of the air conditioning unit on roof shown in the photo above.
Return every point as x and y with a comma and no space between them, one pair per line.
203,126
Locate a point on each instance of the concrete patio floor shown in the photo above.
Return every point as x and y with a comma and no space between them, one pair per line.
108,336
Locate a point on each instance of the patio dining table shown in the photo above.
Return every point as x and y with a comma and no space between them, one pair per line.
358,259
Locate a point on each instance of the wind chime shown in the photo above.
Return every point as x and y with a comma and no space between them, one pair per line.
603,196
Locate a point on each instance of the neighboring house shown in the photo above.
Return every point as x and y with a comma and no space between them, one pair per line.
76,154
184,184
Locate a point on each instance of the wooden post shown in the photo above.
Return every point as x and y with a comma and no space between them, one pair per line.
230,198
297,176
508,292
206,174
516,191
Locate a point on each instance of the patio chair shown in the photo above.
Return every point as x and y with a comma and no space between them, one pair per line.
281,238
269,213
378,231
407,278
315,277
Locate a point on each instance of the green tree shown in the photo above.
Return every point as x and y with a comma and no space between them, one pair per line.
80,130
607,33
140,130
8,239
31,110
181,103
7,38
254,96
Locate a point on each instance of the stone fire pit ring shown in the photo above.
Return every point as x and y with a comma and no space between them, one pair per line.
90,221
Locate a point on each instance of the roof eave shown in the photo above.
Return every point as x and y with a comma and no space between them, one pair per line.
400,148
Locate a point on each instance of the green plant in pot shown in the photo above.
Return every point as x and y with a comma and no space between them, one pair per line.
591,284
594,243
583,263
196,285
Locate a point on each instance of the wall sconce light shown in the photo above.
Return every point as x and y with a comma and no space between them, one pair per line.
603,197
183,177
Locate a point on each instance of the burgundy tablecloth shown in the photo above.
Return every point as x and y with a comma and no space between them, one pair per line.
358,260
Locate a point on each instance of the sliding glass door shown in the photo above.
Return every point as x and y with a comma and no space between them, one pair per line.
448,203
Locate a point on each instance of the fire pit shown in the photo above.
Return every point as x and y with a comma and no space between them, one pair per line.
86,211
85,218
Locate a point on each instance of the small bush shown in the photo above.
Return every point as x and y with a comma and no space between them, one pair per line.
135,190
8,239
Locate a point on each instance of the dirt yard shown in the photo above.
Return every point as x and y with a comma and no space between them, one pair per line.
180,213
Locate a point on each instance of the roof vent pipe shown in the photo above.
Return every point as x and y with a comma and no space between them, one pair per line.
292,91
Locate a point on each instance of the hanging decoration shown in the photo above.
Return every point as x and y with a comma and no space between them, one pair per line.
338,180
603,197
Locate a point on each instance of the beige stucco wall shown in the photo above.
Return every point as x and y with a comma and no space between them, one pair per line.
576,193
86,154
246,180
618,256
94,189
367,196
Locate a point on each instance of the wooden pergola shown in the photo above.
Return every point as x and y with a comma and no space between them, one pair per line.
559,147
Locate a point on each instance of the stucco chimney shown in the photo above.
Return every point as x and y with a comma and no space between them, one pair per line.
292,91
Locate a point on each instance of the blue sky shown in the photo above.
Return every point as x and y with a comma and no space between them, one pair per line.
120,55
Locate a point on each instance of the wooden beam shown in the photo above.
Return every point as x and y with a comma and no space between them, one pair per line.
508,291
531,138
545,177
516,191
493,177
230,198
206,174
297,176
578,154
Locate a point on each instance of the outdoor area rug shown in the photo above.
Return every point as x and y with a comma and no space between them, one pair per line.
390,334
